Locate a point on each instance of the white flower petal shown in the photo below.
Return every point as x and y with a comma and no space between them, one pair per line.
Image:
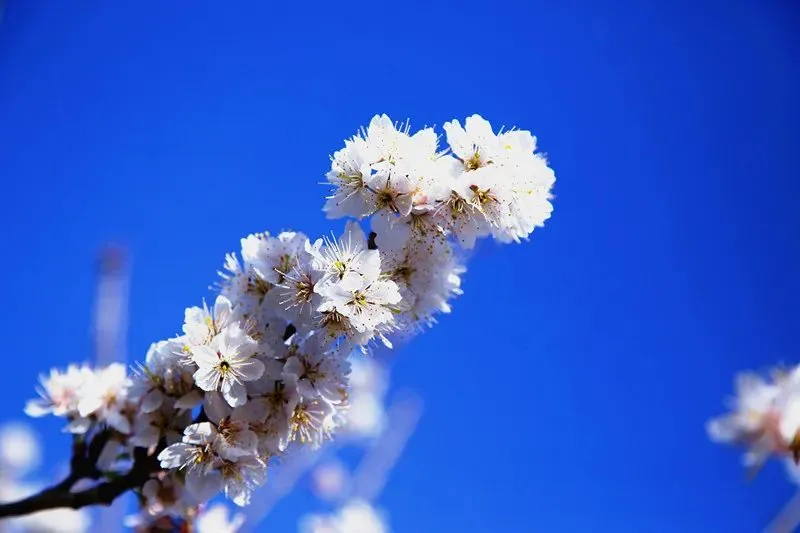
207,378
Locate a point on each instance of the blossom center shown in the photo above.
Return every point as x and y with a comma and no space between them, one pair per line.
353,180
258,286
474,162
483,196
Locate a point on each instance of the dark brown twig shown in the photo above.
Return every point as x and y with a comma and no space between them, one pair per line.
83,467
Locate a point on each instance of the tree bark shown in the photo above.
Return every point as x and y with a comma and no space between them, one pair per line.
104,493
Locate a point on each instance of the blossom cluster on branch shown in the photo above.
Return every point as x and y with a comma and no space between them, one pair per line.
764,418
265,368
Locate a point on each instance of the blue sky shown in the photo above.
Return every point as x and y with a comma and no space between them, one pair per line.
569,388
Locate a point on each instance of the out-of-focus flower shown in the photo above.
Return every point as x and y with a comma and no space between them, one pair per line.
218,519
19,449
329,480
764,417
356,516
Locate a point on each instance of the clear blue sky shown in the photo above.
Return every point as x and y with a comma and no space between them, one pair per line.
569,388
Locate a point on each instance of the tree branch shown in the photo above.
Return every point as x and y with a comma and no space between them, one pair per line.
105,493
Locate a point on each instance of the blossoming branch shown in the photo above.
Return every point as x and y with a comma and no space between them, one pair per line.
264,370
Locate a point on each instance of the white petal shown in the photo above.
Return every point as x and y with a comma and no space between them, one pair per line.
254,411
78,426
201,433
204,356
108,455
207,378
118,421
150,489
234,392
238,493
89,404
216,407
147,437
189,400
203,485
175,456
37,408
294,367
152,401
249,370
222,310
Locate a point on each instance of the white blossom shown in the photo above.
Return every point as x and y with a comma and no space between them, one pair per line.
366,303
60,392
764,417
266,369
19,448
227,363
344,260
321,371
234,437
241,477
502,180
197,456
163,495
202,325
105,396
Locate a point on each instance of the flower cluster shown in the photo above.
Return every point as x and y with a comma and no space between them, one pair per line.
266,367
764,418
485,184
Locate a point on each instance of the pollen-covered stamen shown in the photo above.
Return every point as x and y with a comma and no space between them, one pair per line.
340,267
338,254
199,455
277,398
334,323
298,289
212,327
229,429
285,264
332,317
352,180
231,471
300,422
155,379
386,198
420,222
258,286
403,273
483,196
456,204
475,162
305,290
359,301
304,424
311,371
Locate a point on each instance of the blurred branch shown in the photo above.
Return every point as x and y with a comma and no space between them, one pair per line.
83,466
109,328
110,306
788,518
374,469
